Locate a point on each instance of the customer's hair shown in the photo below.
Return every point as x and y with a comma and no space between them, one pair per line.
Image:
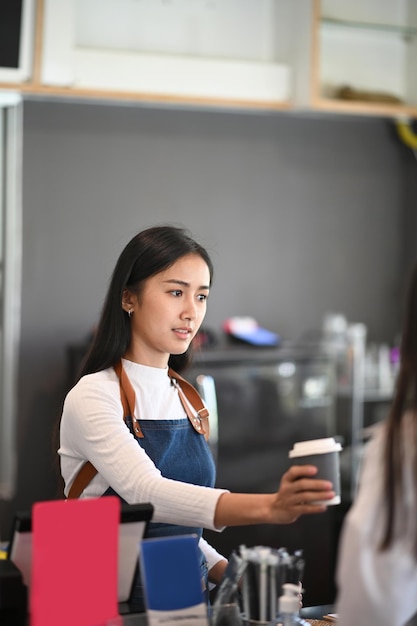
404,401
151,251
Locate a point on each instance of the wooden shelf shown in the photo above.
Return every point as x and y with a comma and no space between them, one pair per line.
363,108
36,89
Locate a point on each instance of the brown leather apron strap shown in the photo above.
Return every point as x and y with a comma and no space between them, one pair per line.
191,394
83,478
128,398
186,391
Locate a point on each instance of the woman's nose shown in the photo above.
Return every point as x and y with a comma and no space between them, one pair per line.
190,310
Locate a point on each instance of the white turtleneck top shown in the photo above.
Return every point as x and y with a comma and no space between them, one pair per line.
92,428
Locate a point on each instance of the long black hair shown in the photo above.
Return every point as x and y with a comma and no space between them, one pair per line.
151,251
405,400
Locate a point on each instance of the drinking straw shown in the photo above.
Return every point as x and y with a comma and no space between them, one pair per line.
265,570
273,565
245,582
263,566
299,565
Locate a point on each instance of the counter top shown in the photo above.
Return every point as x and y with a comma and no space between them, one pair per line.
313,615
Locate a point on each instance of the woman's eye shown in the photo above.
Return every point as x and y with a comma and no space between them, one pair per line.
202,297
176,292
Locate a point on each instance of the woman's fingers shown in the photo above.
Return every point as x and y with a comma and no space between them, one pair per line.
310,491
300,478
300,493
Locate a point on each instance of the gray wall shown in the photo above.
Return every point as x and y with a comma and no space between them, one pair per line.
302,215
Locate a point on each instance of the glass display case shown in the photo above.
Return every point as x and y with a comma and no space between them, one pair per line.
261,402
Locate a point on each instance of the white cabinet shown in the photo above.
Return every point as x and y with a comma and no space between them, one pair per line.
245,52
365,56
354,56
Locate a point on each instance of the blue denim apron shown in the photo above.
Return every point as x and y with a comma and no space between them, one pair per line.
180,453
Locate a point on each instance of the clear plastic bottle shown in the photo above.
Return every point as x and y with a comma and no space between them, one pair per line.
289,607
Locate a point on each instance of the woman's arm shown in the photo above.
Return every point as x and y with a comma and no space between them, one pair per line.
92,428
216,562
217,571
296,496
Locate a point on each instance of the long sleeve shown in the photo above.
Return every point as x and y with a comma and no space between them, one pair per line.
377,587
212,556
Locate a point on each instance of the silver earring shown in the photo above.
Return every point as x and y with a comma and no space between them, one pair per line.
130,312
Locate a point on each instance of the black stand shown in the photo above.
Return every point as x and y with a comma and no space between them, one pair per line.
13,595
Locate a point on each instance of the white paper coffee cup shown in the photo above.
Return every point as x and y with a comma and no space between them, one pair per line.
324,454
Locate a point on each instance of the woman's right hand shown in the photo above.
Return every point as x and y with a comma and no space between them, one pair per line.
299,493
296,496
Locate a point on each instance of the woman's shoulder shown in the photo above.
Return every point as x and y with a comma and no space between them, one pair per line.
105,375
407,429
98,383
375,449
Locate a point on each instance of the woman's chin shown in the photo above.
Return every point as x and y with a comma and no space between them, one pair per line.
178,350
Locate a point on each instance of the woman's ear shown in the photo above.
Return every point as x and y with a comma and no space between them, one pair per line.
128,300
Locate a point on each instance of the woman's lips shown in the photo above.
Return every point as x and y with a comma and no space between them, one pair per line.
183,333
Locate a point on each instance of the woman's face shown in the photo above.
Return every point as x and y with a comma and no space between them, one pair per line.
168,312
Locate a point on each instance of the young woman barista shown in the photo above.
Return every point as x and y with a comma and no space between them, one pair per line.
155,305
